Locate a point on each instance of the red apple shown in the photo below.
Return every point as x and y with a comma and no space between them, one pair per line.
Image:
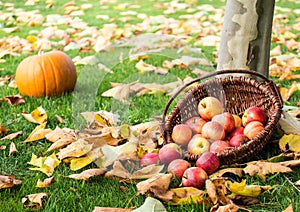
210,106
198,145
209,162
182,134
238,140
213,130
253,128
177,167
237,121
236,131
149,158
196,123
254,114
226,120
194,177
169,152
219,146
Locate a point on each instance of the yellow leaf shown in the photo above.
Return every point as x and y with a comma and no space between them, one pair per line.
44,164
46,183
38,133
289,124
187,195
246,190
37,116
290,142
78,163
87,174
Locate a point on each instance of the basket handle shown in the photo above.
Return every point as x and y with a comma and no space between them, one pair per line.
216,73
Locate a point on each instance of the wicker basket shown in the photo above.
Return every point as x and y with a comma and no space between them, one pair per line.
237,94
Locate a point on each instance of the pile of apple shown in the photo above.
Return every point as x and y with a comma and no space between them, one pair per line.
213,131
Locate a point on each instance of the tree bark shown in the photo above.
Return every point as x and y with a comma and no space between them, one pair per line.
246,35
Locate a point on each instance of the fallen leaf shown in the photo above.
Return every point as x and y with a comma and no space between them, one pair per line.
289,124
241,188
60,138
244,200
45,183
146,172
34,200
37,116
217,191
8,181
286,93
262,168
187,195
221,172
2,147
14,100
12,149
75,149
120,92
60,119
152,205
290,163
87,174
44,164
3,130
38,133
144,67
158,186
289,209
91,156
290,142
106,209
12,136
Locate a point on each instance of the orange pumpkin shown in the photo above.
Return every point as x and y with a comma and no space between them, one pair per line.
46,74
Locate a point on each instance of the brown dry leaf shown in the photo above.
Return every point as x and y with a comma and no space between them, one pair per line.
60,119
12,149
286,93
3,130
289,209
158,186
37,116
146,172
91,156
244,200
221,172
289,124
144,67
45,183
290,142
12,136
60,138
34,200
5,79
87,174
241,188
2,147
44,164
262,168
8,181
276,51
230,207
38,133
105,209
75,149
13,100
119,92
187,195
217,191
290,163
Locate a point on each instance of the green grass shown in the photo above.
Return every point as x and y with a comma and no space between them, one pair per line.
70,195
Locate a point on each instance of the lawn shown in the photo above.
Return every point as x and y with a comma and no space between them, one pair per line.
118,19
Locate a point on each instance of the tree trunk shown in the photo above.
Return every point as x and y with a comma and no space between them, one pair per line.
246,35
